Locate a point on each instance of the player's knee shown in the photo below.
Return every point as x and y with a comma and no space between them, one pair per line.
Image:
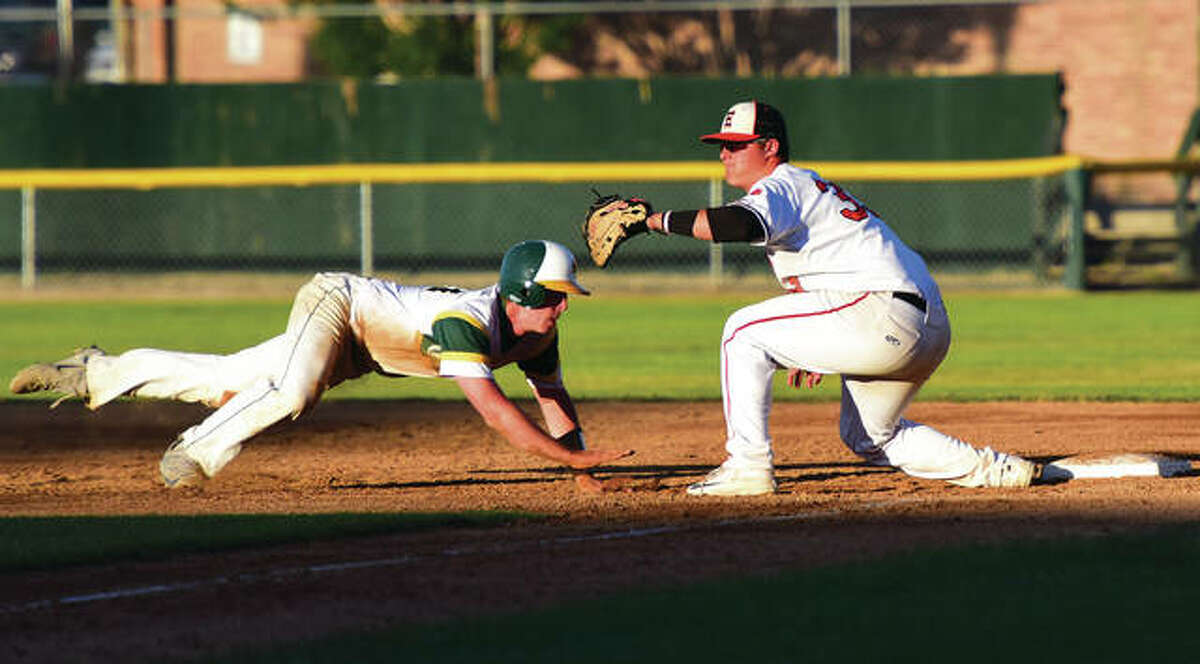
735,321
292,402
855,436
733,336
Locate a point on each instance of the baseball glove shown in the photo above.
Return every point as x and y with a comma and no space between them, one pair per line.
610,221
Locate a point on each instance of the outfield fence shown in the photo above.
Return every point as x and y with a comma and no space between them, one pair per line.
1024,215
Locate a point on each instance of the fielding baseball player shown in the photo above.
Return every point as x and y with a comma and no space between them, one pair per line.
343,326
858,303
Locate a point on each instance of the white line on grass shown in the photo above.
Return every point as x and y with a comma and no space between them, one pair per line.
286,572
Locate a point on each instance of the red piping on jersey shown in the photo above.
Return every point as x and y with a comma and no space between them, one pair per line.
725,357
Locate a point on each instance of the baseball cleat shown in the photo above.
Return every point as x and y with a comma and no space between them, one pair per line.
68,376
179,470
727,481
1012,471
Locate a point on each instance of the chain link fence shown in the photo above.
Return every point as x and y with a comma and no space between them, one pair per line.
980,227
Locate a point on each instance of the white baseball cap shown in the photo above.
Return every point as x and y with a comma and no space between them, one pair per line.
749,121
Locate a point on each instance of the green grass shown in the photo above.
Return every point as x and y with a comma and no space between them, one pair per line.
1096,600
1128,346
30,543
1111,599
1032,346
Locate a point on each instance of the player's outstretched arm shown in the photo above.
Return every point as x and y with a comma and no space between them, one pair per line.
699,228
503,415
728,223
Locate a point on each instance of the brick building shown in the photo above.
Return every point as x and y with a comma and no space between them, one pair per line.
208,44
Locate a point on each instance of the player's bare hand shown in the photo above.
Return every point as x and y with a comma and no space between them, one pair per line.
802,378
592,458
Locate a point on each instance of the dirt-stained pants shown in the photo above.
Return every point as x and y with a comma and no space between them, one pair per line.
251,389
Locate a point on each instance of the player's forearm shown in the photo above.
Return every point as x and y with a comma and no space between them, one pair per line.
522,434
558,421
557,409
698,227
728,223
502,415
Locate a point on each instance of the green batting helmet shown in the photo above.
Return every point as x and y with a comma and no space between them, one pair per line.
531,268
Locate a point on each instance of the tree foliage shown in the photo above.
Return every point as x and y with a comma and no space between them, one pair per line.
763,42
426,46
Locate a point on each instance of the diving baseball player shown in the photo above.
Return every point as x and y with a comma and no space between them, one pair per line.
858,302
343,326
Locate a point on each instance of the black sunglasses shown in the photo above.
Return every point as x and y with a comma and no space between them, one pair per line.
552,299
737,146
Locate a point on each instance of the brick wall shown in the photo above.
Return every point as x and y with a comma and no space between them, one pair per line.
1131,74
1130,69
205,53
202,46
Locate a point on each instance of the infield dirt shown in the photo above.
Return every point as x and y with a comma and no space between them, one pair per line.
437,456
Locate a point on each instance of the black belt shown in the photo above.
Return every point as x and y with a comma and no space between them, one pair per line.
911,298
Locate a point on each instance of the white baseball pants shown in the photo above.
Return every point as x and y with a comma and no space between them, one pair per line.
251,389
884,348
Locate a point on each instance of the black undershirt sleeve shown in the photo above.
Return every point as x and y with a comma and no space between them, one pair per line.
734,223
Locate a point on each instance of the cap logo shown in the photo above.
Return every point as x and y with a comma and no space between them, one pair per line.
747,121
740,119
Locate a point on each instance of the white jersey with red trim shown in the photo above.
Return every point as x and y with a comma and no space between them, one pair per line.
819,237
844,267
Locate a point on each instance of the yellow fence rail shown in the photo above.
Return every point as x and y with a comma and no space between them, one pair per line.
254,176
1075,168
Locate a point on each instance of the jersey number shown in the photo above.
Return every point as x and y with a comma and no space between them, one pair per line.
856,213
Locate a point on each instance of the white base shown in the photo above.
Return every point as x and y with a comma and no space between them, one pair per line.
1120,464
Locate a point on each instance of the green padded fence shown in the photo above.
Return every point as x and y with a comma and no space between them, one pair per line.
971,225
459,120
